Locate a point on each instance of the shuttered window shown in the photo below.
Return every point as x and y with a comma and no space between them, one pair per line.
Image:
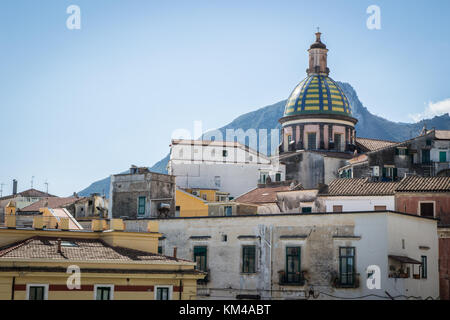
312,141
141,206
248,259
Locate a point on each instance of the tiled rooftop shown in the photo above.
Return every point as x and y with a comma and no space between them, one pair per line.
51,202
360,187
262,195
31,193
40,247
424,184
373,144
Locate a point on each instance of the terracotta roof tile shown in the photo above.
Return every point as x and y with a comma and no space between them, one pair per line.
51,202
40,247
424,184
360,187
262,195
32,193
442,134
373,144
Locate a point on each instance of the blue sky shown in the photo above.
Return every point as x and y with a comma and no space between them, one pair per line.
79,105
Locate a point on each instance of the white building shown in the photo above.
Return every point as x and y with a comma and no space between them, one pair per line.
227,166
307,256
347,195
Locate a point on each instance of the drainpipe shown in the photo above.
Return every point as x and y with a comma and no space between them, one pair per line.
181,288
13,287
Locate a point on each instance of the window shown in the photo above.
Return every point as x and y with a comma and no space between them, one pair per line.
442,156
103,292
162,293
427,209
217,181
205,196
306,210
379,208
248,259
425,156
347,266
293,265
37,291
390,173
228,211
337,142
263,177
177,211
278,177
428,142
337,208
141,206
424,267
160,249
200,258
401,151
289,138
312,141
224,153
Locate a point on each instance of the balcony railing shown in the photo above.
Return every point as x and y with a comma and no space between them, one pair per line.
206,279
292,279
348,281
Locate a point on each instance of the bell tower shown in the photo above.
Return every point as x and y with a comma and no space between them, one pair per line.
318,53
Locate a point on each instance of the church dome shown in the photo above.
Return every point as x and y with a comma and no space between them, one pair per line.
317,94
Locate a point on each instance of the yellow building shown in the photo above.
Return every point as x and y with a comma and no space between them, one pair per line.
208,202
100,264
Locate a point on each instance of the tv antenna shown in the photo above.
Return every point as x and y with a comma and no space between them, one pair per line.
1,189
46,186
32,179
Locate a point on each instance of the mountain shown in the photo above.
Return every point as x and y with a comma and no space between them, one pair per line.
368,126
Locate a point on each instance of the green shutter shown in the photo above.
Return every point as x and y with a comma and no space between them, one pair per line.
141,206
395,173
384,172
442,156
396,151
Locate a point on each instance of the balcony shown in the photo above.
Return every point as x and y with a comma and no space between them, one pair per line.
349,281
291,279
206,279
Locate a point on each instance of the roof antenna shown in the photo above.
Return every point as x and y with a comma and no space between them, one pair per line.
32,178
46,186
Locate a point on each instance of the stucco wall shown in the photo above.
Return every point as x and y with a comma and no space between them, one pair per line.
355,203
410,203
319,237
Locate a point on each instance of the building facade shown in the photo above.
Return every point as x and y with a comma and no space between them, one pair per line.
307,256
425,155
227,166
36,264
142,194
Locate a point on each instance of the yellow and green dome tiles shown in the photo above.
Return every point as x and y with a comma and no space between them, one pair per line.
317,94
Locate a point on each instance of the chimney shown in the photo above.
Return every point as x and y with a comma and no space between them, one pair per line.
59,245
14,187
174,252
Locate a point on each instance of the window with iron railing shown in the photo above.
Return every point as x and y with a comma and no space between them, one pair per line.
347,266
